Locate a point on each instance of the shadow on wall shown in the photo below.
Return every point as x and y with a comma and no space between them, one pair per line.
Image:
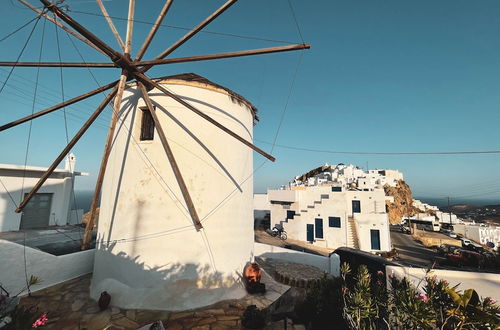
172,286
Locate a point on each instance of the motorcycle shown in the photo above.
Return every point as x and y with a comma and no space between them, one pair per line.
277,232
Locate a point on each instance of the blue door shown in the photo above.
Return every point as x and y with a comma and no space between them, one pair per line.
319,227
375,239
310,233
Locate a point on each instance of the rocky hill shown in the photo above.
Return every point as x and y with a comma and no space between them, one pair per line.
403,202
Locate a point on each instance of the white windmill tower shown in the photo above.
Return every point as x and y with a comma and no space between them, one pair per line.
176,187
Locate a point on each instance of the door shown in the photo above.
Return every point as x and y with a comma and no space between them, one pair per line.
319,227
356,206
36,213
310,233
375,239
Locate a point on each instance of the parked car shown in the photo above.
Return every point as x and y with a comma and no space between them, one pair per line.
405,230
475,247
461,258
465,242
451,234
445,249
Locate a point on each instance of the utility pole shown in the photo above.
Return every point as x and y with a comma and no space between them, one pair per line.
449,209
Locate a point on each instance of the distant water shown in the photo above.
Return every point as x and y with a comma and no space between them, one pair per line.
453,201
83,200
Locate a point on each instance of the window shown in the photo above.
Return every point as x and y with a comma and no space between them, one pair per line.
290,214
375,239
319,227
325,196
356,206
337,189
147,125
334,222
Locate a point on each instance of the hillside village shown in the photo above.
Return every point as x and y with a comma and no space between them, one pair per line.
342,205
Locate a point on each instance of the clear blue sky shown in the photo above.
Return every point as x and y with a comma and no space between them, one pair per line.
381,76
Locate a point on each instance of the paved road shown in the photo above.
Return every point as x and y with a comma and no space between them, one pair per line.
410,251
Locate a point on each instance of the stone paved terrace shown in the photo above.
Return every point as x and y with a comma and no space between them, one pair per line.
69,307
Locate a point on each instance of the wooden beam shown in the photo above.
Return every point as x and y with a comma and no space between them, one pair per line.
76,35
104,162
111,25
113,54
141,77
191,33
60,64
130,25
171,159
66,150
58,106
154,28
224,55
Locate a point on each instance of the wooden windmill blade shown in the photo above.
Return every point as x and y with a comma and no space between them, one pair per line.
58,106
59,24
171,158
66,150
154,29
111,25
200,113
111,131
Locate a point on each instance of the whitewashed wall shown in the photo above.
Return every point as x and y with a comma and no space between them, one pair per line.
329,264
485,284
149,254
309,205
61,188
50,269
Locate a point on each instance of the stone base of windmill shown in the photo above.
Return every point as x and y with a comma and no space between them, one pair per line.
69,306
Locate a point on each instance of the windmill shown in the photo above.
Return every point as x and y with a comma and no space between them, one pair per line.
133,75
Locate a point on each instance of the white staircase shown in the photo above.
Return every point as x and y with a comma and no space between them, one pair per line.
352,234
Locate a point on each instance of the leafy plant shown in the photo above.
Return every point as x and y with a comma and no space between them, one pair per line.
322,305
362,301
254,318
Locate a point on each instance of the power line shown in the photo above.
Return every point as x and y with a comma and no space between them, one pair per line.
381,153
189,29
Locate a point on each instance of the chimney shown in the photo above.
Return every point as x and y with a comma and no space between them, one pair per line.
70,162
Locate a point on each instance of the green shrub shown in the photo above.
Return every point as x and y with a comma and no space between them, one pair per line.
362,301
254,318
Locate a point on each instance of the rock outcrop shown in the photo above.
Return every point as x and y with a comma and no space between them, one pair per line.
403,202
86,217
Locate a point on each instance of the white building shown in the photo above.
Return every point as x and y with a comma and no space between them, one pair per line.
50,206
350,175
333,216
149,254
482,234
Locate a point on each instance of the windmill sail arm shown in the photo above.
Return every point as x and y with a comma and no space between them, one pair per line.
66,150
104,47
58,106
154,29
59,24
218,56
194,31
110,24
144,79
171,159
60,64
